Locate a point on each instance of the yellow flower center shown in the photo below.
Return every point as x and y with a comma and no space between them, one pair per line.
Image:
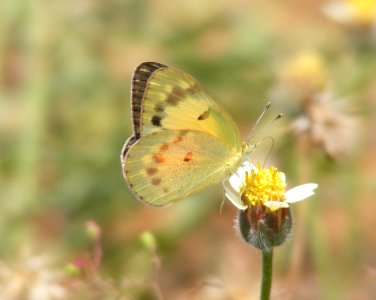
263,185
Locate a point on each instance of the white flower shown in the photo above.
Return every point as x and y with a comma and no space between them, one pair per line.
327,122
30,277
254,185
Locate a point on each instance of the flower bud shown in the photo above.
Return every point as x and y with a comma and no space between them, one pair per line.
75,268
263,228
148,240
93,230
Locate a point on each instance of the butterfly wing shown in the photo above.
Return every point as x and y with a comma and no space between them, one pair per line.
166,98
182,139
139,87
169,165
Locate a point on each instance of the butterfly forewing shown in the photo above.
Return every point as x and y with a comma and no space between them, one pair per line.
166,98
139,87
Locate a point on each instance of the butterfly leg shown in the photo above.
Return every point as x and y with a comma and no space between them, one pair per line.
222,202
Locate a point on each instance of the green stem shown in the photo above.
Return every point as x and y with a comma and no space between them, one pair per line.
267,269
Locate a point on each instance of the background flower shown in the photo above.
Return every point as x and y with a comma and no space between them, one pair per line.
354,12
328,124
31,276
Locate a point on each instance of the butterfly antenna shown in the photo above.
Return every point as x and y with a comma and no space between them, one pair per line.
262,114
277,118
254,128
270,150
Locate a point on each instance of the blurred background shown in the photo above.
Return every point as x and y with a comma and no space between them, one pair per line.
69,226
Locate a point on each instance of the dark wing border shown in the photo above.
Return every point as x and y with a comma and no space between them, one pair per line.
140,80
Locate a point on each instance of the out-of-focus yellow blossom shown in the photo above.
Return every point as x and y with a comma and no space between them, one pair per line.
355,12
304,73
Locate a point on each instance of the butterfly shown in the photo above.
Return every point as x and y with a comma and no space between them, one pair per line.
183,140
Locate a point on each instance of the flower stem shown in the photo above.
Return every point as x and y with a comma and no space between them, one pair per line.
267,269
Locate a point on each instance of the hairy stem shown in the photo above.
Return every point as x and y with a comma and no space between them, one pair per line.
267,270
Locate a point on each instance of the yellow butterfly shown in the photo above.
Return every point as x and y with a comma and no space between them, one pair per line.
182,141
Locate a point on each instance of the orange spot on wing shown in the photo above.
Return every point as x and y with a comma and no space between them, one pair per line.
151,170
178,139
156,181
164,147
158,158
188,156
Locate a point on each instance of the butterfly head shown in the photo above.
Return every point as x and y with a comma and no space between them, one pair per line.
247,148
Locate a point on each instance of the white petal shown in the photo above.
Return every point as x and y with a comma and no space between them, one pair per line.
247,163
247,167
233,195
274,205
235,199
237,180
300,192
283,176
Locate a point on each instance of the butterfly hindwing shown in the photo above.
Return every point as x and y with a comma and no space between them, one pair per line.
168,165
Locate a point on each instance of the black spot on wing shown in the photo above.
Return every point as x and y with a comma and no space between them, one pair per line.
156,121
204,115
